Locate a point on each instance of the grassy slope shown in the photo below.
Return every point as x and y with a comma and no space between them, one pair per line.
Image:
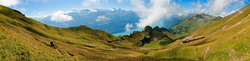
25,38
22,38
192,23
152,37
226,39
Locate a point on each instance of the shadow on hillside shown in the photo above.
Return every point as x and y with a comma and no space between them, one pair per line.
200,43
148,59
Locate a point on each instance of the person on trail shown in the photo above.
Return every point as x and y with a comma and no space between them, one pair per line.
52,43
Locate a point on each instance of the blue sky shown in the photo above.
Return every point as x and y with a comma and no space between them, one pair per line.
40,8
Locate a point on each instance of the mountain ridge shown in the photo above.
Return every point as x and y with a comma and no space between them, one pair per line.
191,23
225,39
97,19
23,38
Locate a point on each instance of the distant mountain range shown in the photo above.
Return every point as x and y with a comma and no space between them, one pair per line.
174,20
115,20
109,20
23,38
112,21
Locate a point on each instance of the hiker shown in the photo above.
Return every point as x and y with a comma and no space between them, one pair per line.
52,44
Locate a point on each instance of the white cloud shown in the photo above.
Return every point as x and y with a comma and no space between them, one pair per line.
157,10
93,10
9,2
87,3
41,12
101,18
218,7
60,16
112,9
128,26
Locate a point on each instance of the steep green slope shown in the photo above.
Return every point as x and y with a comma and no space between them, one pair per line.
225,39
22,38
192,23
27,39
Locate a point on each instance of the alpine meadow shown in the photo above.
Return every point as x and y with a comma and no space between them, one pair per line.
159,30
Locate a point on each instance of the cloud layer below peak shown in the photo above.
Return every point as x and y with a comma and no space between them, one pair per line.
60,16
158,10
218,7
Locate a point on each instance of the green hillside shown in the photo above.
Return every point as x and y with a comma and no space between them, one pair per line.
225,40
23,38
149,37
192,23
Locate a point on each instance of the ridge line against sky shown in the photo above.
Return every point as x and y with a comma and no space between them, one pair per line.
149,11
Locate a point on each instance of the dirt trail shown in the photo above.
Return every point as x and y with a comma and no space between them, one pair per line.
52,48
206,52
233,16
58,52
238,23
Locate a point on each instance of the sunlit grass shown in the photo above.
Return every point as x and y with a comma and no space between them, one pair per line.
22,38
